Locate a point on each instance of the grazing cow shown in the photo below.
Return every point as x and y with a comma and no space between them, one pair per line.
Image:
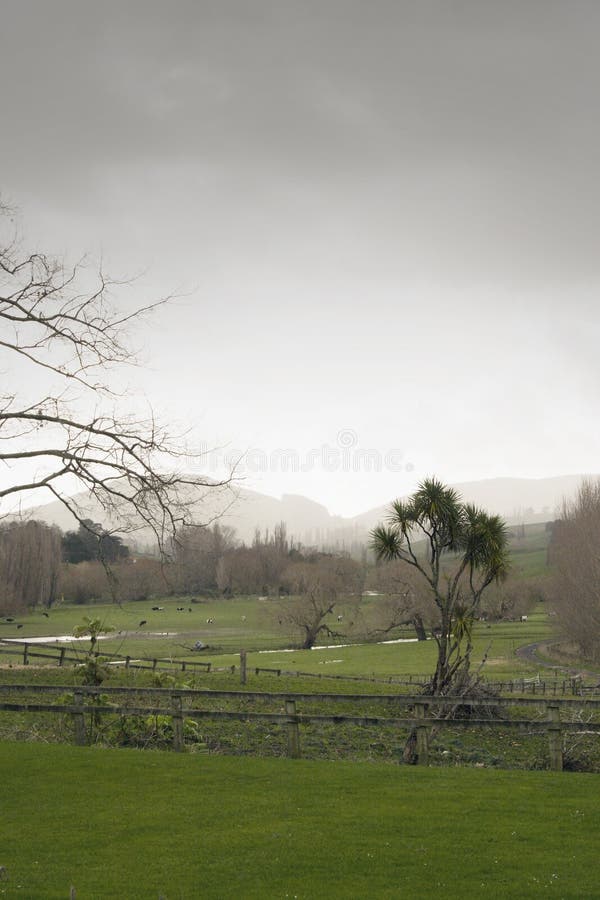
523,618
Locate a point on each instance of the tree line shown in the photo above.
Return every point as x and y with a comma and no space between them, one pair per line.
40,565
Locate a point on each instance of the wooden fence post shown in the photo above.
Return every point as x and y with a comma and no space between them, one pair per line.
243,660
78,720
177,719
555,737
26,655
62,656
293,731
422,736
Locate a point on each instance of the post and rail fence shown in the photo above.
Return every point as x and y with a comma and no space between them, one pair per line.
421,712
557,687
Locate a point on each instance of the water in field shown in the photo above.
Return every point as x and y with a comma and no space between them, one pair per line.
337,646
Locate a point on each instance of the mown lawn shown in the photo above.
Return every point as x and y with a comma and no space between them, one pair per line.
132,824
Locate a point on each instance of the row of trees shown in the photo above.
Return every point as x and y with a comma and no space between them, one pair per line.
574,553
213,560
33,557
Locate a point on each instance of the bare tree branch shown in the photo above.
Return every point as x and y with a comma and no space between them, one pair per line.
60,325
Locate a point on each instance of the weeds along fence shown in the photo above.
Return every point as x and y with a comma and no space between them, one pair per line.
85,705
61,655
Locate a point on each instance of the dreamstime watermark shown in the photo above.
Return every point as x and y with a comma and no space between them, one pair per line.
345,455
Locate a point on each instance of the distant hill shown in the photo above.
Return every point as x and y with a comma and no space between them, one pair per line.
518,500
239,508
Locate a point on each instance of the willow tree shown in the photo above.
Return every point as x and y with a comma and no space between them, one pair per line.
458,550
324,590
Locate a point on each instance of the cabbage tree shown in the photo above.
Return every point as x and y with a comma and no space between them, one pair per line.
459,550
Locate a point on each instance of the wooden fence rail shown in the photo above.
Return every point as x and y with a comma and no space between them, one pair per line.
421,713
70,655
556,687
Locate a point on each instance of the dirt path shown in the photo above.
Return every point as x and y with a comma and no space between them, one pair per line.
529,653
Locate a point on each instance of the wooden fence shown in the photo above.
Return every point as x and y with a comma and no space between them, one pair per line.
572,686
422,713
68,654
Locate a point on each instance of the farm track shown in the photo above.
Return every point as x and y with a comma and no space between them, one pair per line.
529,652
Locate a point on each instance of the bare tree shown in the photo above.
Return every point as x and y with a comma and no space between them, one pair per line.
199,554
513,598
402,601
62,427
257,569
319,589
576,559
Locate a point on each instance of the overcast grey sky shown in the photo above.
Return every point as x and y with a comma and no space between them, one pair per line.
384,217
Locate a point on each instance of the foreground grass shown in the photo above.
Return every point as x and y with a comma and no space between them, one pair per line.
123,823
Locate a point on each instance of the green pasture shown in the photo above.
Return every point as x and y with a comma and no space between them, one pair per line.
527,562
530,537
251,623
497,643
167,631
127,823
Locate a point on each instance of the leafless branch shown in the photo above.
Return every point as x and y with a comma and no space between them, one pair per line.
60,322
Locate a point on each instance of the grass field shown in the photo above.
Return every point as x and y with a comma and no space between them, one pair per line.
131,824
248,623
499,642
252,623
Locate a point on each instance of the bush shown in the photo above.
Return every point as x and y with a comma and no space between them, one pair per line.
151,732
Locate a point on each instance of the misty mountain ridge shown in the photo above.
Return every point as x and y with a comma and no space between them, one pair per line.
517,500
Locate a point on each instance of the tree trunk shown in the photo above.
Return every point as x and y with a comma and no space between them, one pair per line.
310,637
419,628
